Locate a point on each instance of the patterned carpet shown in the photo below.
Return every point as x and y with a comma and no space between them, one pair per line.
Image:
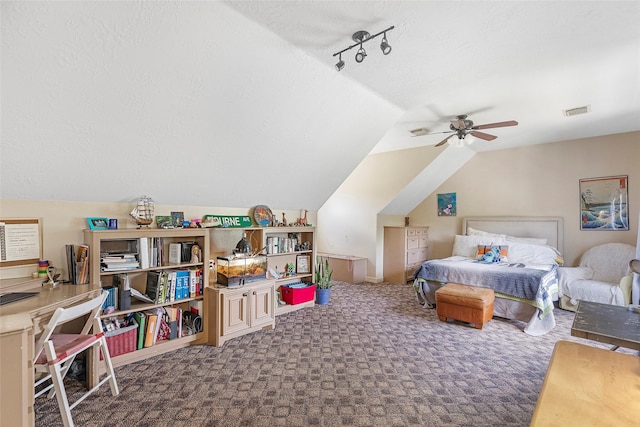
372,357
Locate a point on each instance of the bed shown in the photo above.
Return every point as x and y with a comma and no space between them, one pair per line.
525,281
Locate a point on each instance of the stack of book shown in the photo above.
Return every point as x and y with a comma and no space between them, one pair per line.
119,262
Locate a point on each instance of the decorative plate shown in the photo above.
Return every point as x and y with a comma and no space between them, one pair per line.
263,215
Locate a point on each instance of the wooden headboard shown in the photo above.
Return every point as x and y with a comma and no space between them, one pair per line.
546,227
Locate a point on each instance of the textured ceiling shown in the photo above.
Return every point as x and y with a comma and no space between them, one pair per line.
237,103
496,61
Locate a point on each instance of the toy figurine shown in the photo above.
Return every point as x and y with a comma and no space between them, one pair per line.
195,254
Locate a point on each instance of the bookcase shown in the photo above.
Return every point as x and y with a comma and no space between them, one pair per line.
146,251
281,251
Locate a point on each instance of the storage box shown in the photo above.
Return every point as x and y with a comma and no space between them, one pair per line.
238,270
295,295
121,340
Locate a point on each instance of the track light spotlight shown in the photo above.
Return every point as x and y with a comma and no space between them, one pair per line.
360,37
340,64
361,54
384,46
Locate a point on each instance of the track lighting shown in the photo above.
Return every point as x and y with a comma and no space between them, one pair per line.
384,46
361,54
340,64
360,37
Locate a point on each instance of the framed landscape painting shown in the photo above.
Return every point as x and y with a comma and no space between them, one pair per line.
604,203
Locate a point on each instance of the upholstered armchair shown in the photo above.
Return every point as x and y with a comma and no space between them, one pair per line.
602,275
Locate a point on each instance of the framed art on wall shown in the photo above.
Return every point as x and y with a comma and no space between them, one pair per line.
447,204
604,203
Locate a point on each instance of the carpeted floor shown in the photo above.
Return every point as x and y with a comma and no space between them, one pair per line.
372,357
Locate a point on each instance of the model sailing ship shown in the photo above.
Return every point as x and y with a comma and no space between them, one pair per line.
142,213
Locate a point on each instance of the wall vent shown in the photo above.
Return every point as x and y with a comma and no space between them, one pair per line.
576,111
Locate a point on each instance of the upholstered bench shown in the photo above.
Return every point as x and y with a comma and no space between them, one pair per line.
465,303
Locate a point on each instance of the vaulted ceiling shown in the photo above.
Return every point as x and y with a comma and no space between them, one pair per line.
238,103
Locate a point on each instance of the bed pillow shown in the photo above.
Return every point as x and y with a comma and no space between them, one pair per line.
483,249
527,253
530,240
467,246
474,232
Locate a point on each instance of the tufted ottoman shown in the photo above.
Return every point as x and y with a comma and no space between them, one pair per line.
465,303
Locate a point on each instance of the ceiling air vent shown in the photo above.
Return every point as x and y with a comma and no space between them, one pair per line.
576,111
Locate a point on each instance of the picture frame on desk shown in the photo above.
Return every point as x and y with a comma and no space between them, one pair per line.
97,223
302,264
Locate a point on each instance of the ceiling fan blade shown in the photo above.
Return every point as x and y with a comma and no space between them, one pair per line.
496,125
443,141
425,131
483,135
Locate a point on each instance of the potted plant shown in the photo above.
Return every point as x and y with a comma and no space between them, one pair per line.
322,275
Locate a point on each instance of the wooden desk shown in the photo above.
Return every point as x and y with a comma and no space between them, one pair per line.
20,323
611,324
589,386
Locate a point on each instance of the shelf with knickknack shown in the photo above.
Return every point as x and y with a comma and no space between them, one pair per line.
151,272
289,252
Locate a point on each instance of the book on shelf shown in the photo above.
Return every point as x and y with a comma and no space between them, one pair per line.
154,286
119,267
71,262
172,321
193,282
143,252
117,262
152,323
112,298
140,296
175,253
140,318
83,260
164,330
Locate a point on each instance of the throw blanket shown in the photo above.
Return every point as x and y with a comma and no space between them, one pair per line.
536,283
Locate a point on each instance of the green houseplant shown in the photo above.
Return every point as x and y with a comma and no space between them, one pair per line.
322,277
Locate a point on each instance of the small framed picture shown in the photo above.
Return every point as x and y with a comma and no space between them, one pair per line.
302,264
177,219
164,221
98,223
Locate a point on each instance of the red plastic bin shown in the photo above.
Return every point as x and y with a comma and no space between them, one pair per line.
295,296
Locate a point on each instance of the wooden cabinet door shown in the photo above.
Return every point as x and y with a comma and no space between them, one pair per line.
262,308
235,311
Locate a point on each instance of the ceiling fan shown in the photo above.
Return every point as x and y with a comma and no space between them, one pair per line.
462,127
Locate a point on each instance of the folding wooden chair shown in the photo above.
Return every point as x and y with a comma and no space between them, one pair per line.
55,352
